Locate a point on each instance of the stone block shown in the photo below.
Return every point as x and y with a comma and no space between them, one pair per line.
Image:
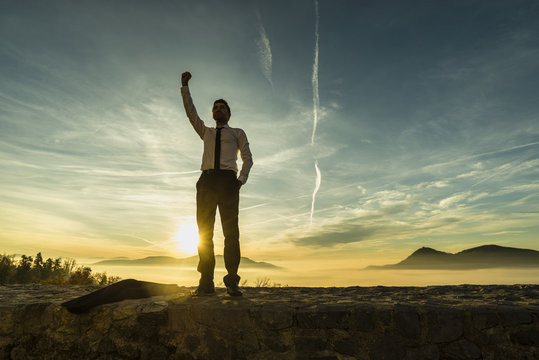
425,352
461,349
407,322
317,356
152,320
309,340
309,344
346,345
153,353
106,346
323,317
246,339
123,312
34,318
93,338
18,353
65,322
383,316
153,307
492,337
362,319
484,318
6,343
126,349
6,320
102,320
444,325
222,317
273,318
214,347
191,342
179,317
526,337
386,347
277,341
515,317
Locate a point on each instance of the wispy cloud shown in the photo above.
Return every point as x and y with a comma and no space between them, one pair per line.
454,199
316,93
318,181
478,156
316,106
417,211
264,50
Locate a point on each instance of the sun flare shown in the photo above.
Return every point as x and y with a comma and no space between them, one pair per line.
187,238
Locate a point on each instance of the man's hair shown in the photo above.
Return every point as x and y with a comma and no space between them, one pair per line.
223,101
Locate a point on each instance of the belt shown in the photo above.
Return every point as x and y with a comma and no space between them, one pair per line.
217,171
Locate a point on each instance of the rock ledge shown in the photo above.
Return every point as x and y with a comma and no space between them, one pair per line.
438,322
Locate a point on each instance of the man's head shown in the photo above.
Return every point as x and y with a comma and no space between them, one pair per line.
221,111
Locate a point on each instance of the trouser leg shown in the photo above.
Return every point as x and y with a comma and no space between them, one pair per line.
229,209
206,207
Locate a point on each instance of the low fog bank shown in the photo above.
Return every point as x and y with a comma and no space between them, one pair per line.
315,276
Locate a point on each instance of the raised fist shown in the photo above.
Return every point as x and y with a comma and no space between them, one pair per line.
186,76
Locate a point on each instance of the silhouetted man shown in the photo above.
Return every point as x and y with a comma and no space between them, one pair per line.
218,186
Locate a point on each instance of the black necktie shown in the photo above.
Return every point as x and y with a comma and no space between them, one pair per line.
216,162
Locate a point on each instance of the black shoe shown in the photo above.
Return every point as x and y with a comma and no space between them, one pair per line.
233,290
205,289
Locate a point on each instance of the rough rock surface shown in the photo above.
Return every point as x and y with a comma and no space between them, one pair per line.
442,322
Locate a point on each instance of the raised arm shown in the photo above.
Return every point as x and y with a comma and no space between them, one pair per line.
190,109
186,76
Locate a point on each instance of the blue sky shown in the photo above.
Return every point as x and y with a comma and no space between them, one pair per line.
427,125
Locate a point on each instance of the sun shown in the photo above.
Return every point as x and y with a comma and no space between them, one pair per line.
187,238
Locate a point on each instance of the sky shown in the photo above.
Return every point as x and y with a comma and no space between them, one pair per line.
376,127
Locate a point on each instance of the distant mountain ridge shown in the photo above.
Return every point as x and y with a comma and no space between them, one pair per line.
188,261
481,257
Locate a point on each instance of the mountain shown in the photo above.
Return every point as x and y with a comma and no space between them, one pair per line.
191,261
481,257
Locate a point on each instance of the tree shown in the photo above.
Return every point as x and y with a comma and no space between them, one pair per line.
47,272
29,270
82,276
37,270
7,269
23,273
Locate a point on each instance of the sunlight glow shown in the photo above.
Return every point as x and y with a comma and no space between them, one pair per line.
187,238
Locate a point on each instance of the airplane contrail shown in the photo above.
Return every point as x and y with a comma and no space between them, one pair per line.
253,207
316,187
494,152
316,96
152,244
316,104
264,51
503,168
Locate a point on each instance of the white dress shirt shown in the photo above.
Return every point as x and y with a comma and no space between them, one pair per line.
232,141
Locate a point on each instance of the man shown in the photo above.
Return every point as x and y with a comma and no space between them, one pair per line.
218,186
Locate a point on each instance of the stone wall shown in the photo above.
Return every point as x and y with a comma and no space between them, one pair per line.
450,322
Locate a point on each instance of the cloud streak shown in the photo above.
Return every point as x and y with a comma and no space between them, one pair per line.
316,105
316,95
318,181
481,155
264,51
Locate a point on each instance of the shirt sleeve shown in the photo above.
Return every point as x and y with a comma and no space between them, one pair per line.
246,157
191,112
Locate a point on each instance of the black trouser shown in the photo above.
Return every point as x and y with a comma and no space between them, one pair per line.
218,188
